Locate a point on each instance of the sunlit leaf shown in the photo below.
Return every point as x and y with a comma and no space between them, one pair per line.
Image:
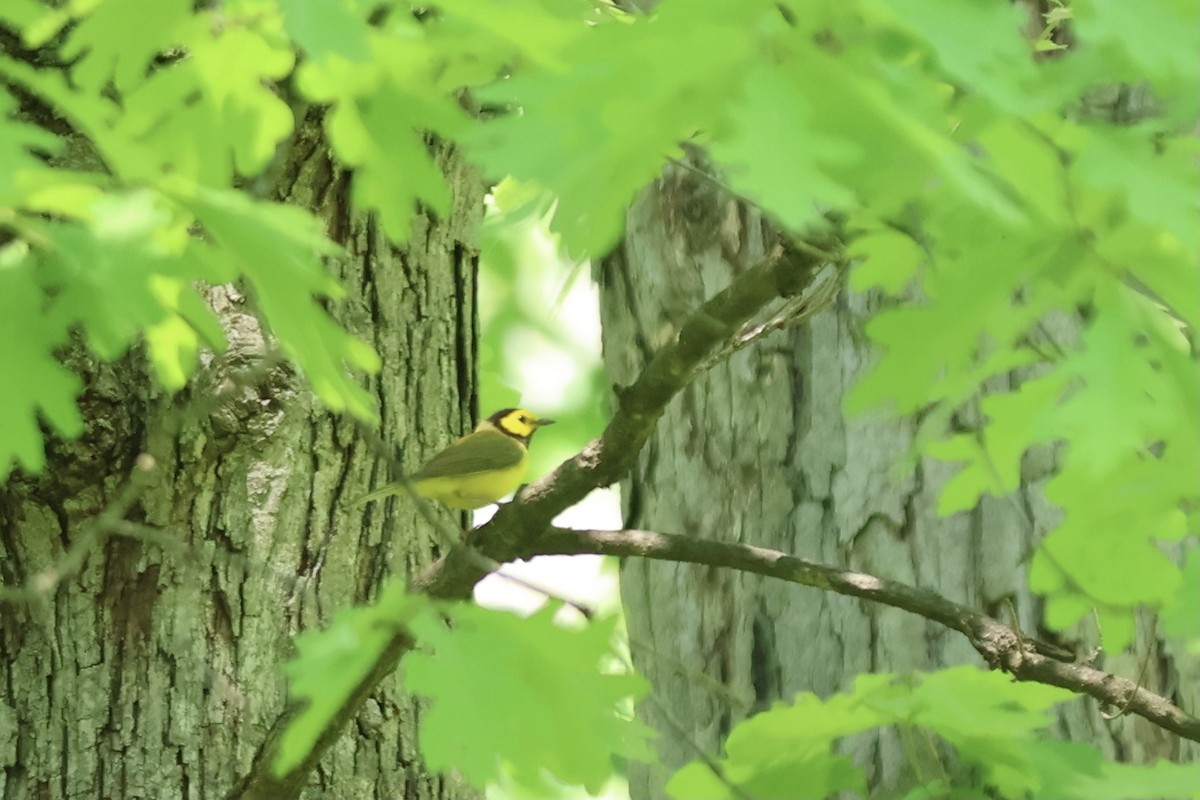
279,249
45,388
503,687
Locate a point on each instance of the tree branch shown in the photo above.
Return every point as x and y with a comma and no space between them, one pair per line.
999,644
785,273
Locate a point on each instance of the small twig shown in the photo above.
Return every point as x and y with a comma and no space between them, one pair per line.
719,690
1015,622
906,735
151,535
1123,709
681,734
93,533
111,520
684,736
793,312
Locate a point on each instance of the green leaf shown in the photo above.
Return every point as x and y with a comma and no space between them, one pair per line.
632,93
117,39
1130,470
775,155
21,13
1078,771
528,32
977,476
889,260
796,779
1030,167
1157,183
174,343
395,168
89,114
222,89
990,720
1160,263
993,456
278,248
993,722
979,44
785,752
1181,613
36,384
1097,544
323,28
524,691
129,270
1156,38
1062,609
940,789
61,192
16,141
1116,627
330,664
1000,705
890,116
100,276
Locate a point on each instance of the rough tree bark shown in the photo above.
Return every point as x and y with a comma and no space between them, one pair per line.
759,451
154,671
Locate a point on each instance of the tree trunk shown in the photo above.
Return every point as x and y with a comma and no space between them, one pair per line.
146,671
758,451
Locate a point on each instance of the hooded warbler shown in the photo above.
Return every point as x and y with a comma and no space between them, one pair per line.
476,469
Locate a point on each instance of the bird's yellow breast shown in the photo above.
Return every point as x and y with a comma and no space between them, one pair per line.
474,490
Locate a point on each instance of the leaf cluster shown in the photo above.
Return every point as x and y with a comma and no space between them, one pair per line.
993,724
515,698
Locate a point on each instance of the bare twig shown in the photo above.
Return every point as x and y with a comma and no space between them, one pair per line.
791,313
719,690
111,521
1123,709
681,735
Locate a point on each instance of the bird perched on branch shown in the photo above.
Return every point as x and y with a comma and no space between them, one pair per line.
476,469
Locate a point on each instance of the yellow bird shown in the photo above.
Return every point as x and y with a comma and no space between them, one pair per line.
476,469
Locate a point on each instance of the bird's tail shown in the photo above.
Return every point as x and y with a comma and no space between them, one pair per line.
379,494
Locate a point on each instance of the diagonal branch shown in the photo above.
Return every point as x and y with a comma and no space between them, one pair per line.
785,273
999,644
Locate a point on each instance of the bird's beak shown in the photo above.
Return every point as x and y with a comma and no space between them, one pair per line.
542,422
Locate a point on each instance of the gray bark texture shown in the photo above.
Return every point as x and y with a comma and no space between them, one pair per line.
138,670
759,451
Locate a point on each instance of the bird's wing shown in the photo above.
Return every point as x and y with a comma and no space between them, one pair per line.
480,451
